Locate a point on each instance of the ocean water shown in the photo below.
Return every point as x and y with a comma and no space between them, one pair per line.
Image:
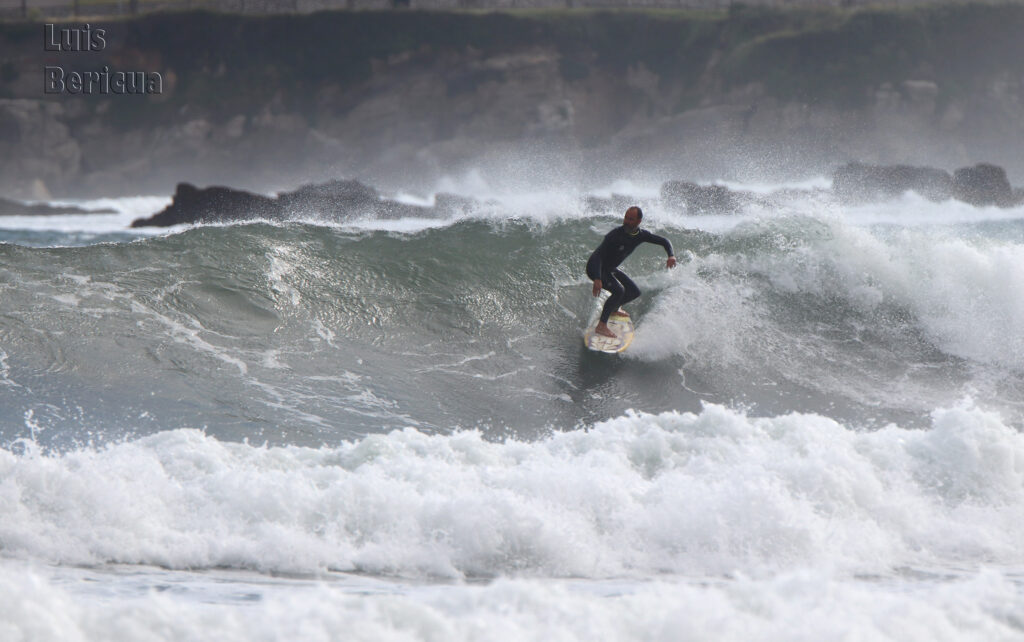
388,430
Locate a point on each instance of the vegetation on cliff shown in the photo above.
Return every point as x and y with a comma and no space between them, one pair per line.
225,64
264,99
837,57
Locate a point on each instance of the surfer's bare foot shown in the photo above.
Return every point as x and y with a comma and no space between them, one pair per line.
602,329
622,313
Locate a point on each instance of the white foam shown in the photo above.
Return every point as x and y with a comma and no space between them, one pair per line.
913,210
965,292
628,187
809,605
127,210
698,494
5,371
281,265
808,183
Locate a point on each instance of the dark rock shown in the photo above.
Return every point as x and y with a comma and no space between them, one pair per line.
983,184
334,201
857,182
212,205
344,200
16,208
702,199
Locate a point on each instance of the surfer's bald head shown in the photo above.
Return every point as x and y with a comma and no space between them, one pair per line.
631,220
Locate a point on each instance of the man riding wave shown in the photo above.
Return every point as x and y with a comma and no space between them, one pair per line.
602,267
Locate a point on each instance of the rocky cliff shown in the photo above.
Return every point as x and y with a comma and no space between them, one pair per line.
401,98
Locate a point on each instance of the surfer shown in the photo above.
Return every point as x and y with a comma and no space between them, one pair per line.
603,265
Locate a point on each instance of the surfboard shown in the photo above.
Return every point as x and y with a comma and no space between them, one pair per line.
622,326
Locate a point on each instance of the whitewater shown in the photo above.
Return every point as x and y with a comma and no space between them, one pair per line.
390,429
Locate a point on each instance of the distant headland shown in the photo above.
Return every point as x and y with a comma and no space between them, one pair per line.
395,97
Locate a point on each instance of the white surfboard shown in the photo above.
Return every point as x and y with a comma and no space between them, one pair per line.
621,325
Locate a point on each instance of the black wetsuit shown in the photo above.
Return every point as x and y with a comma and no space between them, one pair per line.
604,263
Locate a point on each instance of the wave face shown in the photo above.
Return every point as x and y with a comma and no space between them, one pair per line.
307,334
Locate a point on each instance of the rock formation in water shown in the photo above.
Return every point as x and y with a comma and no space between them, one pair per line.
980,185
984,184
335,201
857,182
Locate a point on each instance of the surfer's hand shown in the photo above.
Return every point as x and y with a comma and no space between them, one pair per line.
671,263
597,287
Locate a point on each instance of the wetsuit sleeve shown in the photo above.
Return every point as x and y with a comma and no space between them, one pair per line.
660,240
